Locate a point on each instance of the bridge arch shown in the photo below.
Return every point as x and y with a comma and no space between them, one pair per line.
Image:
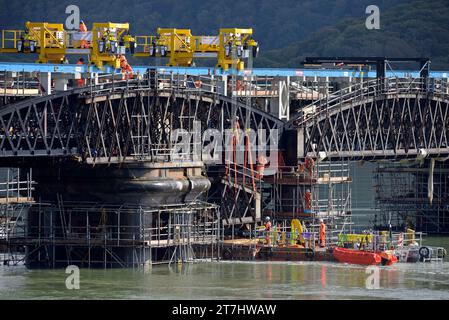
117,122
378,119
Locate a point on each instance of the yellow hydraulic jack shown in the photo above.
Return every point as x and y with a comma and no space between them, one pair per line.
235,46
46,39
109,41
106,42
230,48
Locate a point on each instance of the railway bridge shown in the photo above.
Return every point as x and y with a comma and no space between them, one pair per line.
115,142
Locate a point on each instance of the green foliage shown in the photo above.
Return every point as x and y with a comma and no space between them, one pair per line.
417,29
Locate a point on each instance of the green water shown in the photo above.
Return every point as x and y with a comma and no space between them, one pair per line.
235,280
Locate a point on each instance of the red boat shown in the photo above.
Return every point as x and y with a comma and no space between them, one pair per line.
355,256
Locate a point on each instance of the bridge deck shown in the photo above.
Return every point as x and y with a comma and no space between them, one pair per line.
270,72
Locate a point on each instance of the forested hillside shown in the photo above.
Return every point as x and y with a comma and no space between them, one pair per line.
419,28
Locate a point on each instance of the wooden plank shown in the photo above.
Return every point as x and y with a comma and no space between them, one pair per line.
16,200
19,92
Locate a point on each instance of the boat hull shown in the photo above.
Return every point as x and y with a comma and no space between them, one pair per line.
357,256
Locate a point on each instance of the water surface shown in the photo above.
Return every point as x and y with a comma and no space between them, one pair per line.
234,280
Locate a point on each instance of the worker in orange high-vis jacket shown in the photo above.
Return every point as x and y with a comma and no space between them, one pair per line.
80,81
83,30
309,165
127,71
267,231
322,233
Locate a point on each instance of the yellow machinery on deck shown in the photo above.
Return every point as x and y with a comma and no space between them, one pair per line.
103,44
231,47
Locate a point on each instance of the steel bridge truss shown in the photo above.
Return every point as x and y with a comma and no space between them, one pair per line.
389,118
119,121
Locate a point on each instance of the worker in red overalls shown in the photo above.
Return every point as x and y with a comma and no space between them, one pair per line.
127,71
322,233
267,231
80,81
260,166
309,165
83,30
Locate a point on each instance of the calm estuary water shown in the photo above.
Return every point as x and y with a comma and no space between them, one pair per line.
234,280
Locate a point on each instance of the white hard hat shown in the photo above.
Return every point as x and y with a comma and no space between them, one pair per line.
321,220
267,218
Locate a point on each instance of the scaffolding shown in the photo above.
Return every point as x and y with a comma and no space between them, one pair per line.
96,235
16,189
413,195
310,193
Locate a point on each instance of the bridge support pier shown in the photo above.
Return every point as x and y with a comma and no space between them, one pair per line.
150,184
127,215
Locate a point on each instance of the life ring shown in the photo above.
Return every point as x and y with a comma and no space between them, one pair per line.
424,253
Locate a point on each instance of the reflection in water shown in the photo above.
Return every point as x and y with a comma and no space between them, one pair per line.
323,276
231,280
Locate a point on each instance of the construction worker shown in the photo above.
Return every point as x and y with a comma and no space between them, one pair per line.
322,233
260,166
239,86
267,231
309,164
127,71
80,81
198,83
83,31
